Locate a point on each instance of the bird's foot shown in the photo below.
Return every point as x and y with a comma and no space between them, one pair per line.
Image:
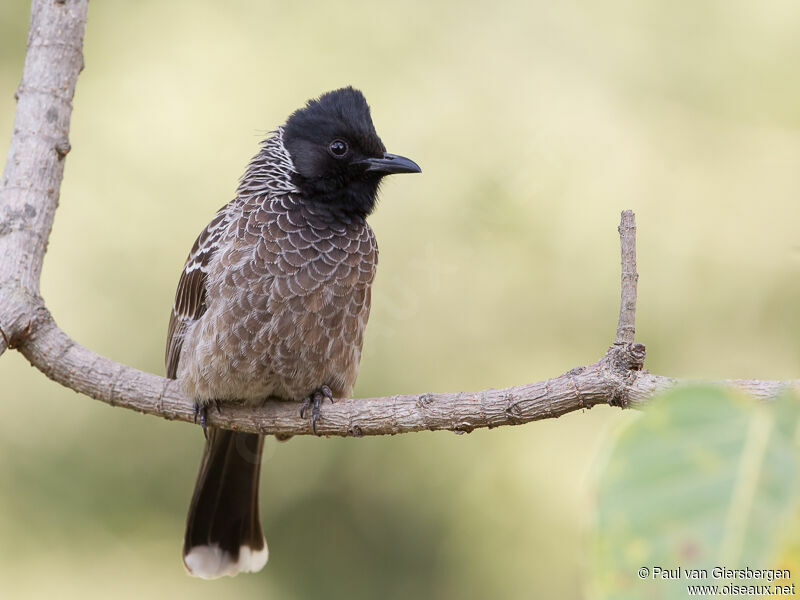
313,401
200,410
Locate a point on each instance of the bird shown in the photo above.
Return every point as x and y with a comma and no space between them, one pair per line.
272,303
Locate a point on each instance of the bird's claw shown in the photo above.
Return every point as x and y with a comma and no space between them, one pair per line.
313,401
326,391
200,412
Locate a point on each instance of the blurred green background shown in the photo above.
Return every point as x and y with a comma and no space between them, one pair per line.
535,123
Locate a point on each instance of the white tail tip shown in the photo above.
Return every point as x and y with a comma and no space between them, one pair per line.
210,562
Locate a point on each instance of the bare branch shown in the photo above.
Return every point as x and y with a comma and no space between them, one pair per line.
615,379
626,326
32,175
66,362
29,195
647,385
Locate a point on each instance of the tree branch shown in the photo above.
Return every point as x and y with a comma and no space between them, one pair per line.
626,325
35,165
28,198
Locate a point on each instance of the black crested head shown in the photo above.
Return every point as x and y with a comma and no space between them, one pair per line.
338,156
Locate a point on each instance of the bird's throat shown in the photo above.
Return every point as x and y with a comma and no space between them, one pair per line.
341,201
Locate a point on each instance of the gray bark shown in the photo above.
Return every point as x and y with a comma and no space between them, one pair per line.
32,175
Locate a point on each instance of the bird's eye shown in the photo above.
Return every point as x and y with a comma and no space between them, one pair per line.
338,148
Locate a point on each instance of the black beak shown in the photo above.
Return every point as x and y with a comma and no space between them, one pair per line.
390,163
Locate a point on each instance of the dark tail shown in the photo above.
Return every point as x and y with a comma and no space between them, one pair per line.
223,531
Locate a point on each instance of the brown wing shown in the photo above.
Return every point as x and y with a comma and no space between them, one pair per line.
190,298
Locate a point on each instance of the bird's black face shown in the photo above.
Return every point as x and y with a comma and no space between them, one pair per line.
338,156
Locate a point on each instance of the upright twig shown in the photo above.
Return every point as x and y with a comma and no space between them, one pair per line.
626,325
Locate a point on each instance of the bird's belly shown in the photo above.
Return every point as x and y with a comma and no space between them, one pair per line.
284,348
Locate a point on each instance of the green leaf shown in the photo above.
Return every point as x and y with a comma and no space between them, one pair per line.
705,478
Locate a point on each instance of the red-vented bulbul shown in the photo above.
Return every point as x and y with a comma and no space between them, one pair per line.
272,302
